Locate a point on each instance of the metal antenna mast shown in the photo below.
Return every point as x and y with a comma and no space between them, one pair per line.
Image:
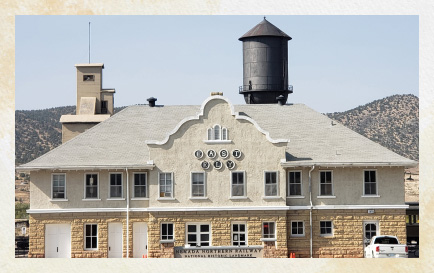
89,42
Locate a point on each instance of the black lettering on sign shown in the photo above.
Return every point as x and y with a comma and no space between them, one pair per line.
211,153
198,154
218,165
205,164
224,153
230,164
236,153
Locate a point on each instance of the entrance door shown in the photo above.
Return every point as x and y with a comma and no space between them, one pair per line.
370,229
57,241
115,240
140,239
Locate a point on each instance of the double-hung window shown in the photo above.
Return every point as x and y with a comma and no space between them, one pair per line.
140,186
239,234
238,184
90,236
297,228
58,186
115,185
166,185
370,182
269,230
198,234
326,228
271,187
294,183
91,186
167,232
326,183
198,184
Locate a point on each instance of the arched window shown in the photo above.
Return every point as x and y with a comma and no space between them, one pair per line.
210,133
217,132
224,134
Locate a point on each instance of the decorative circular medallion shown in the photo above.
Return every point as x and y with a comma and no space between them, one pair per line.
198,154
218,165
230,164
211,153
236,153
224,153
205,165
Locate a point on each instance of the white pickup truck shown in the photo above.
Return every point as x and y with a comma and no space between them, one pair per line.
385,247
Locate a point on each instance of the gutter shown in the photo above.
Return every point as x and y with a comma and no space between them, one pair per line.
128,213
310,210
96,167
293,164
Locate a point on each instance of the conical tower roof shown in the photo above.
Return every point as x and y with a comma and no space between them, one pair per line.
265,28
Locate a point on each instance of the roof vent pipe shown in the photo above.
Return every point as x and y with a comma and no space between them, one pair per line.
152,101
281,100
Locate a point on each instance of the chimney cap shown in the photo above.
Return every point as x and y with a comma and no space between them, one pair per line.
152,101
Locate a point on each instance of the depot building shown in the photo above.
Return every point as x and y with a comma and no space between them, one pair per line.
264,179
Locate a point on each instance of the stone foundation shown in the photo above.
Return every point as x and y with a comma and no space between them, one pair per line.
346,241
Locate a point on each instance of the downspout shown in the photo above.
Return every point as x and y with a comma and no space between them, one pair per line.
311,207
128,214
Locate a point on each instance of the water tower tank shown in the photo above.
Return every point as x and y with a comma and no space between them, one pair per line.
265,64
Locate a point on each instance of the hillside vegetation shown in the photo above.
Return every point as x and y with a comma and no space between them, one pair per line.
392,122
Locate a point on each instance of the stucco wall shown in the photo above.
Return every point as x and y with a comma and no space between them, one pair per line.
348,187
71,130
177,156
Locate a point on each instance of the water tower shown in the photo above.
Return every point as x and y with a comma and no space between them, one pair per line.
265,65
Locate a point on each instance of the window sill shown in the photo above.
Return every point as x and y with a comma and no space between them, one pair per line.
198,198
297,235
217,141
370,196
58,200
139,198
88,199
238,197
90,249
326,197
115,199
326,235
167,241
268,239
295,197
165,199
271,197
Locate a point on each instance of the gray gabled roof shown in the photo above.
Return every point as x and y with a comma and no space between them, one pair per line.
120,141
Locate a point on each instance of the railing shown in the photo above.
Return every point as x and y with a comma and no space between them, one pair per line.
262,87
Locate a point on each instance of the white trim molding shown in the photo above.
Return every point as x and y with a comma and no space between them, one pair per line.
201,113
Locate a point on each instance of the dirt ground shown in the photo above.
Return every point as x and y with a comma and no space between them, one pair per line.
22,187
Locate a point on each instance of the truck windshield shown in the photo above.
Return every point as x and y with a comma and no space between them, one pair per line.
386,241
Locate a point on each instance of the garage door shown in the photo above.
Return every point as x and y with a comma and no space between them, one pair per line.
58,241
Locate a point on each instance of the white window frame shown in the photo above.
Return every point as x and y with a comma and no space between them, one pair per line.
289,185
321,195
298,235
326,234
161,233
146,187
85,236
204,186
220,138
52,185
98,186
245,232
171,197
277,185
376,183
244,196
110,187
274,238
198,232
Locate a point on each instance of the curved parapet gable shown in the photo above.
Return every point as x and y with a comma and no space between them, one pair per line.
201,114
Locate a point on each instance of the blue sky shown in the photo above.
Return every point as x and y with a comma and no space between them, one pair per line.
336,63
